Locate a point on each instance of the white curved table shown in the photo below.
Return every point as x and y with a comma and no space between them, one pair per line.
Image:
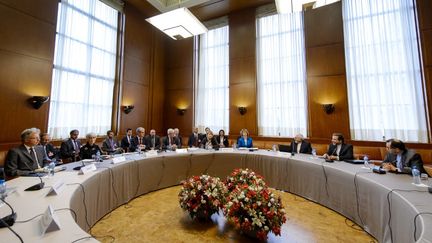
347,187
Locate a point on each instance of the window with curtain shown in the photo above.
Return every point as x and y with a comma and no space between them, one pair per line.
383,70
212,86
281,73
84,68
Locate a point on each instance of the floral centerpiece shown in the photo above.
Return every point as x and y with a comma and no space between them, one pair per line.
202,196
252,208
244,177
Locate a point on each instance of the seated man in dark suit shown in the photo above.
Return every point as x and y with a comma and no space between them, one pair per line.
51,151
110,144
400,159
177,134
299,145
28,157
138,142
126,141
209,142
338,149
70,149
170,142
153,141
194,138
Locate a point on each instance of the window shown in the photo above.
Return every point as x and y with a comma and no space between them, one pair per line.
212,91
84,68
281,73
383,71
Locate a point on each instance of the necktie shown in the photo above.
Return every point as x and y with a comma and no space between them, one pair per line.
33,156
153,141
128,138
139,140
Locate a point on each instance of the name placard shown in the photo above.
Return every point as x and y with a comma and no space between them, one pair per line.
88,168
226,149
57,188
49,221
152,153
284,154
118,159
181,151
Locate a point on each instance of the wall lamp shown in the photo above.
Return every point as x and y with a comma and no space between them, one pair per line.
328,108
181,112
242,110
37,101
128,108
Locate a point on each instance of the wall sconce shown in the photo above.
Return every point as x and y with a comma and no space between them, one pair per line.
328,108
242,110
128,108
37,101
181,111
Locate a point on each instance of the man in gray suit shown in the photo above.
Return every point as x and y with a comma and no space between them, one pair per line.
400,159
28,157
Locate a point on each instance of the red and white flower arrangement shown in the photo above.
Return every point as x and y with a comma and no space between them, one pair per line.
251,207
202,196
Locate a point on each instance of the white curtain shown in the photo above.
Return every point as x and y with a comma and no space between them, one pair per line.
281,70
84,68
212,91
383,71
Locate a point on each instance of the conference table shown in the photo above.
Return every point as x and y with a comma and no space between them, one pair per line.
388,206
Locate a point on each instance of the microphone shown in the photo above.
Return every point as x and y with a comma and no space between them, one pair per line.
37,186
79,166
430,189
10,219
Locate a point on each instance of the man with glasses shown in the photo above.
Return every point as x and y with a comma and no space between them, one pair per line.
28,157
400,159
70,149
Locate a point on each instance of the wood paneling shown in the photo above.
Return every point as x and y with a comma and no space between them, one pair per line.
45,10
427,47
26,57
25,34
424,10
243,94
322,90
136,70
180,78
242,71
324,25
325,68
137,95
326,60
175,99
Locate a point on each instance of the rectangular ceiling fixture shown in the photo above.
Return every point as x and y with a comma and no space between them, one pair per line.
178,24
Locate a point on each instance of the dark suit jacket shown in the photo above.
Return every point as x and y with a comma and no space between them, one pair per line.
106,146
87,151
19,162
346,151
225,141
149,143
165,142
180,139
55,151
409,159
67,151
196,142
305,147
214,143
135,143
126,146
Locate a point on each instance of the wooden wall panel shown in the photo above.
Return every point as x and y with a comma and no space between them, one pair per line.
325,68
45,10
424,10
324,25
143,77
179,86
26,57
242,71
243,94
326,60
322,90
427,46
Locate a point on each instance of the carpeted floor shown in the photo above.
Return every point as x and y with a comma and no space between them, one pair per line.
157,217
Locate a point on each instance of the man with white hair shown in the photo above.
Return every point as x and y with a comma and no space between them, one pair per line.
299,145
177,134
170,142
138,142
28,157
